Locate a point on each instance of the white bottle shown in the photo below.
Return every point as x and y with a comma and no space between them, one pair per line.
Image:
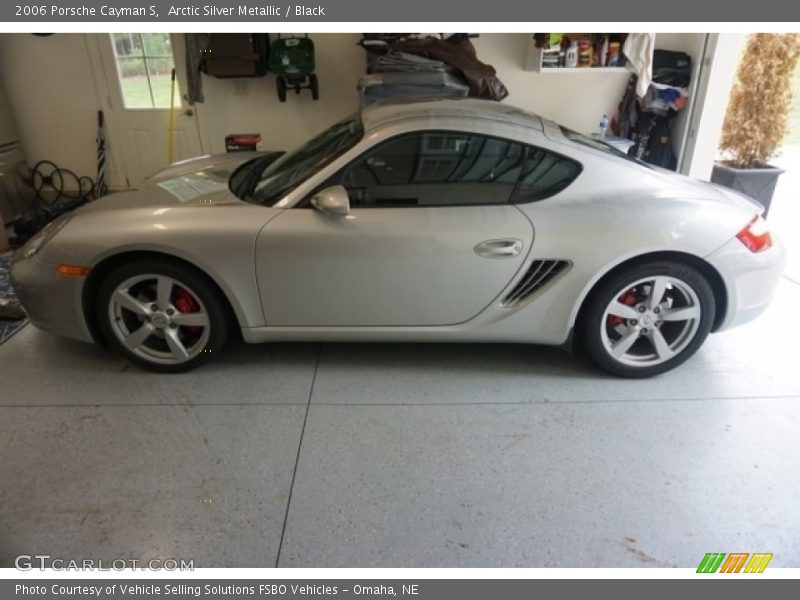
602,127
571,60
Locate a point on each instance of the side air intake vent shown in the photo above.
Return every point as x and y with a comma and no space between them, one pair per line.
540,273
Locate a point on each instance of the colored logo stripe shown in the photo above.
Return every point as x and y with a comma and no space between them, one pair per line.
758,562
711,562
734,562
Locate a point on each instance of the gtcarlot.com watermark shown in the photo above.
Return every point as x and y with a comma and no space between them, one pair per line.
42,562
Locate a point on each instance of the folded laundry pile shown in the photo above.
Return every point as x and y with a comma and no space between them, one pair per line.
407,65
661,98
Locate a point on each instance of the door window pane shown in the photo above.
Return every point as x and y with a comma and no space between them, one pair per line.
160,70
434,169
454,169
156,44
144,67
127,44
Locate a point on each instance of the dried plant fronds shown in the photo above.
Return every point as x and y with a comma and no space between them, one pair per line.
756,119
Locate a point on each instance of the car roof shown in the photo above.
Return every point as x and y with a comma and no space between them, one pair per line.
379,114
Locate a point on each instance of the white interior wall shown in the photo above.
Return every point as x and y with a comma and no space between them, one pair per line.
576,100
252,106
55,97
52,94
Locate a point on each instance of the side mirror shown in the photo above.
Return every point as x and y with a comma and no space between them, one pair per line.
333,200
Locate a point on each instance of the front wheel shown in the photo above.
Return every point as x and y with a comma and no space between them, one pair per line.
163,316
648,319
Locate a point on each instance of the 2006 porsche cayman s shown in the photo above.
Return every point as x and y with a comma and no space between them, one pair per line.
426,221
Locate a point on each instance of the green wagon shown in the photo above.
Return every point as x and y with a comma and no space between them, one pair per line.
292,61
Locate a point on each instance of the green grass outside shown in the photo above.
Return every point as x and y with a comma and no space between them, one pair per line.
137,93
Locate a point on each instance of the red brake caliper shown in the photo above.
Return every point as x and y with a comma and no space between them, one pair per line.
186,303
629,298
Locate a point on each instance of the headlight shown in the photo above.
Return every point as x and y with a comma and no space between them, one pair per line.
38,241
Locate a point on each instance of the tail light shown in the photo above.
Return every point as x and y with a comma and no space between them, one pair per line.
755,235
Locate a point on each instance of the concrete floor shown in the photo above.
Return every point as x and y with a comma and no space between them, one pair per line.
406,455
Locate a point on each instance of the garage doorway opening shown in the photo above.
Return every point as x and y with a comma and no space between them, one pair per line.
784,216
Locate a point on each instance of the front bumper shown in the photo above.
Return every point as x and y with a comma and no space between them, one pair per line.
750,279
53,301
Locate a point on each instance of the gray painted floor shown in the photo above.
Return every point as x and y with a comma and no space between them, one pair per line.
406,455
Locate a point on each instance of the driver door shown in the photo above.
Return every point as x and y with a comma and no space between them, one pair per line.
431,238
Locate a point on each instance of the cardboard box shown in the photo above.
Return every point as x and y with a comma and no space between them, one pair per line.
242,142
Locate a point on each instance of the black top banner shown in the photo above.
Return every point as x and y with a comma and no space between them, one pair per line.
443,11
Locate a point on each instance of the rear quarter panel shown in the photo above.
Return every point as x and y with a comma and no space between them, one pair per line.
613,213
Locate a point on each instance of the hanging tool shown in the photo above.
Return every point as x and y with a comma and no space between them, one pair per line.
171,132
100,186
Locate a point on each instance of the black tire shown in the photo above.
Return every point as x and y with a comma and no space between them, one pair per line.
280,84
594,318
184,276
313,83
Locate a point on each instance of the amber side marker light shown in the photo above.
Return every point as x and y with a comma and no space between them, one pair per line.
73,270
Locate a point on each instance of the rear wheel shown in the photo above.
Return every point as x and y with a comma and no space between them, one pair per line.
648,319
163,316
313,83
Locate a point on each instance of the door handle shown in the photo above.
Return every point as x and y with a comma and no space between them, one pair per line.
499,248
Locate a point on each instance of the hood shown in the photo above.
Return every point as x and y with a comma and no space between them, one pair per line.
197,181
224,163
178,194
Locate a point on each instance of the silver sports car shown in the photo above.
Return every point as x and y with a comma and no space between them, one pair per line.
436,221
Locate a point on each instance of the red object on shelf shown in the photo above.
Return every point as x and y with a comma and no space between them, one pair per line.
242,142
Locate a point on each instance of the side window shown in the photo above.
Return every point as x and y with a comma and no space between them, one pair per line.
434,169
544,175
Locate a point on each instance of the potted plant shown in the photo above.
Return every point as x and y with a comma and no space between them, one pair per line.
756,119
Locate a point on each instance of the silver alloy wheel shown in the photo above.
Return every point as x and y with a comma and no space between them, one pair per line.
650,321
144,317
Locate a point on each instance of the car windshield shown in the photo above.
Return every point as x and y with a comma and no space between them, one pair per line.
598,144
282,176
